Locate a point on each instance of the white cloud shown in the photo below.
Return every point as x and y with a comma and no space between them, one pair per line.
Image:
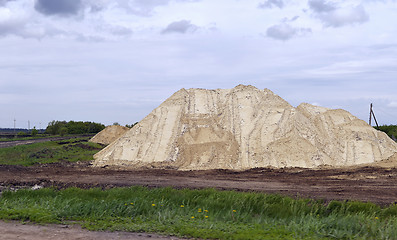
4,2
58,7
333,15
15,19
271,4
285,31
182,26
321,6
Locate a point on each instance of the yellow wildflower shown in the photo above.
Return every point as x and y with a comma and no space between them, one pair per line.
376,218
205,210
234,210
206,216
182,206
192,217
153,204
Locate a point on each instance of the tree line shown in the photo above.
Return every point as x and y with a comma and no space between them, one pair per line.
72,127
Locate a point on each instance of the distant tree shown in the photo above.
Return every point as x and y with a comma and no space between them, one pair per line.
116,124
54,127
73,127
76,127
63,131
95,127
34,132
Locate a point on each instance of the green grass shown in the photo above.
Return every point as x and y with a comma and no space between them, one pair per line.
72,150
204,213
39,136
6,139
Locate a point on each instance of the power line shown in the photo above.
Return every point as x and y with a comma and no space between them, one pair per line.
387,113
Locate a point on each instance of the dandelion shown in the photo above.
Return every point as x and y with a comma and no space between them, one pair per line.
153,204
376,218
132,203
199,210
126,204
192,217
205,210
206,216
182,206
234,210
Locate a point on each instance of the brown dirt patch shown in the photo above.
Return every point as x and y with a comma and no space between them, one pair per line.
375,184
15,230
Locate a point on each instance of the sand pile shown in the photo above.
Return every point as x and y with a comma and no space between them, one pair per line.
109,134
243,128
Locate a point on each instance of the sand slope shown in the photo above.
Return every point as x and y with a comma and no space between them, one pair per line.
109,134
243,128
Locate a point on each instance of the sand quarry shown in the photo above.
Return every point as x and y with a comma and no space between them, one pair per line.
229,135
244,128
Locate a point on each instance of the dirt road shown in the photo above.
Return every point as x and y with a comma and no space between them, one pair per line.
18,231
373,184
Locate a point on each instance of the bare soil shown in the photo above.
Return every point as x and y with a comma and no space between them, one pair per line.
14,231
375,184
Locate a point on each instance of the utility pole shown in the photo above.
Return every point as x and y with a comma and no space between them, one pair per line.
372,114
14,124
28,124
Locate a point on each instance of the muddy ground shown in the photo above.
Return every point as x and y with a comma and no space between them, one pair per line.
375,184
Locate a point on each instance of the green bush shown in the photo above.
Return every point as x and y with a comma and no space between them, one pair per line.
34,132
21,134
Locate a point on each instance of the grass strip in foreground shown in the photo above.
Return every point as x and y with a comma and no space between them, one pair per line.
204,213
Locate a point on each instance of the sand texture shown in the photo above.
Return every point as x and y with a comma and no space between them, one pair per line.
244,128
109,134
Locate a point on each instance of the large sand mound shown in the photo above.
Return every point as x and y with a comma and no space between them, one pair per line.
109,134
243,128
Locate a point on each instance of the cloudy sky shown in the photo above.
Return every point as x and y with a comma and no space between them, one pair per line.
115,61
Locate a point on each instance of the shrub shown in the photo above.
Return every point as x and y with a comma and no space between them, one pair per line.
34,132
